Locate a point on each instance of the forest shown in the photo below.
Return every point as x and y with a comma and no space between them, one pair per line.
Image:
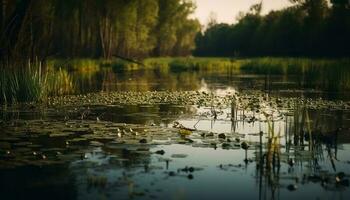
32,29
96,28
309,28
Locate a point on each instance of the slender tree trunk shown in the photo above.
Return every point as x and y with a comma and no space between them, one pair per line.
102,36
32,54
14,29
80,34
2,16
110,41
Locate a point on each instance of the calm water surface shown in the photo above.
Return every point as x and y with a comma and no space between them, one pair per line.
283,169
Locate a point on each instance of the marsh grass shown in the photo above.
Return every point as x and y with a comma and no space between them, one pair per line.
193,64
119,65
58,82
22,83
31,82
330,74
280,66
79,65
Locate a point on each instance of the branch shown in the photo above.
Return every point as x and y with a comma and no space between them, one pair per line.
129,60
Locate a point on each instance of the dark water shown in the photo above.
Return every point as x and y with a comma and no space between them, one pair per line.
310,85
291,165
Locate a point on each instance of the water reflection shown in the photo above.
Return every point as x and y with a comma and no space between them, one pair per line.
56,182
311,84
297,153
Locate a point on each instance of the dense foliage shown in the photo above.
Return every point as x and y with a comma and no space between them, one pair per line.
309,28
96,28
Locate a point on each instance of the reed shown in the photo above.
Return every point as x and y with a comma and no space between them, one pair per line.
22,84
32,82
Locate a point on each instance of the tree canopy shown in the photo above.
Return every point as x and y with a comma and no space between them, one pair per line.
32,29
308,28
96,28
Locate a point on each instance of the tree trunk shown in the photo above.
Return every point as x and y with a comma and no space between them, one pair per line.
102,36
14,25
110,41
2,15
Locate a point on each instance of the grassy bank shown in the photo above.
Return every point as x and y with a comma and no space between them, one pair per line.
84,65
331,74
193,64
34,82
281,66
164,63
254,65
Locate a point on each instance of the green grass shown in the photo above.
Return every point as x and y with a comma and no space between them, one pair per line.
256,65
31,83
331,73
58,82
80,65
21,84
193,64
165,63
290,65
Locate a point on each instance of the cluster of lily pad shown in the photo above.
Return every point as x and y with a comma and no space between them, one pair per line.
140,98
256,101
40,142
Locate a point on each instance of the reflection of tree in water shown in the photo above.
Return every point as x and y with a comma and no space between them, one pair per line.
53,182
128,157
109,80
138,80
142,114
119,170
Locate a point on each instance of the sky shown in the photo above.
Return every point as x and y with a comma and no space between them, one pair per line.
226,11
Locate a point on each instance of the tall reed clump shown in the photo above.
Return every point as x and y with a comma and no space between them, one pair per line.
31,83
22,84
58,82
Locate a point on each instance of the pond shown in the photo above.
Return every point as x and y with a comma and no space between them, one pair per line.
149,134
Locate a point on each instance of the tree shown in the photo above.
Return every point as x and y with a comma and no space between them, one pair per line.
308,28
96,28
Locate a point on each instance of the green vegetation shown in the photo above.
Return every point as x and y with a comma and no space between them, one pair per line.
194,64
80,65
292,66
331,74
58,33
96,29
58,82
31,83
262,65
86,37
23,84
173,63
309,28
35,84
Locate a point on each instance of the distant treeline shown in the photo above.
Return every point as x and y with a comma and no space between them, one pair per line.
96,28
308,28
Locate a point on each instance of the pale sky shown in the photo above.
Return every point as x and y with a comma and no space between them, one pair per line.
227,10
